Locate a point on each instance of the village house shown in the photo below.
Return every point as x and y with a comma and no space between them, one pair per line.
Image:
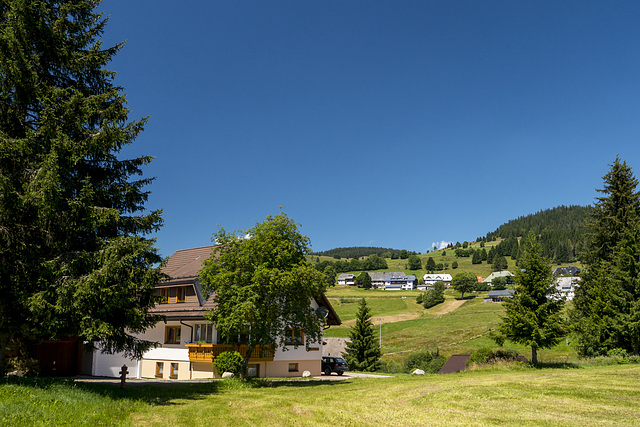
567,286
503,273
189,343
347,279
431,279
396,282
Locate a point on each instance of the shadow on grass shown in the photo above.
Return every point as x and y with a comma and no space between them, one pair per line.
465,298
556,365
154,393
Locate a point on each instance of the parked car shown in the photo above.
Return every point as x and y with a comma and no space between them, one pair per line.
334,364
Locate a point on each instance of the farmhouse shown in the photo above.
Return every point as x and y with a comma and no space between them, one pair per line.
378,279
347,279
503,273
189,343
396,282
431,279
567,286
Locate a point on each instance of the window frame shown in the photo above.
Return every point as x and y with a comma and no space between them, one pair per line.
176,337
159,369
293,367
164,295
173,373
181,291
291,337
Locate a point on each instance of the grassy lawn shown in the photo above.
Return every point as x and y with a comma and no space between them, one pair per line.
575,396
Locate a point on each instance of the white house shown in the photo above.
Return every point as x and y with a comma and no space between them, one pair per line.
567,286
431,279
347,279
379,279
400,282
189,343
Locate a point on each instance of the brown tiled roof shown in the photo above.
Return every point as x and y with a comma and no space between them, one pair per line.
186,262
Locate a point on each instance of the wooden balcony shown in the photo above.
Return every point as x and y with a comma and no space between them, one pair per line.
208,352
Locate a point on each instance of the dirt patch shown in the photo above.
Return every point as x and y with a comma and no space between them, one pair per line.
377,320
447,306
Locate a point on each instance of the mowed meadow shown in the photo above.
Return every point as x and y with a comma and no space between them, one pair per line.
570,396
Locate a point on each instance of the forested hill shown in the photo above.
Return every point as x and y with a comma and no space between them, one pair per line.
362,251
562,230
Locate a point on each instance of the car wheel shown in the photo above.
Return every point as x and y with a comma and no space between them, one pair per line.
327,371
340,372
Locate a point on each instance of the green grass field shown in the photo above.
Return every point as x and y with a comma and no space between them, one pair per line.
570,396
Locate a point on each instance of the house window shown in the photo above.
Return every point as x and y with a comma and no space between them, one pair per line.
159,369
172,335
293,367
174,371
203,332
294,336
181,294
253,370
164,296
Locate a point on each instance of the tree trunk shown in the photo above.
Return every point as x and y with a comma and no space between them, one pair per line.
245,362
534,355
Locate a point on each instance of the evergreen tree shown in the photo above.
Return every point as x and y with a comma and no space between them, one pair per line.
606,303
477,258
533,316
363,352
73,257
414,262
499,263
431,265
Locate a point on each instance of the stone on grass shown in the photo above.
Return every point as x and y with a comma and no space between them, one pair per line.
228,375
417,372
306,374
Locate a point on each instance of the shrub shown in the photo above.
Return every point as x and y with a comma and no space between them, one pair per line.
420,298
229,361
390,366
429,361
487,355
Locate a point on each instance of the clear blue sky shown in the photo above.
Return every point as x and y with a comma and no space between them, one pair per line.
393,124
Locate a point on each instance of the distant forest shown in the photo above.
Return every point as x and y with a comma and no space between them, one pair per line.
562,231
362,251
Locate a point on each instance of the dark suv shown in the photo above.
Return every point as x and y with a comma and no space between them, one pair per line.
334,364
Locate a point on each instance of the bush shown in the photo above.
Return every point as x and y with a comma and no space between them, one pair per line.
487,355
390,366
429,361
229,361
420,298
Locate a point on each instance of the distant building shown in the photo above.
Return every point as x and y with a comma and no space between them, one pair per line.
567,271
347,279
400,282
499,296
431,279
567,286
503,273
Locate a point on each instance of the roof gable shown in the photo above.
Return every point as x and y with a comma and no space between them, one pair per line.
187,262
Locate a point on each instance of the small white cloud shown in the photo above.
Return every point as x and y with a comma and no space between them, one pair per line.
441,244
247,236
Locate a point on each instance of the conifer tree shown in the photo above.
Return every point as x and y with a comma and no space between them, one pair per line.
363,352
605,314
533,316
74,259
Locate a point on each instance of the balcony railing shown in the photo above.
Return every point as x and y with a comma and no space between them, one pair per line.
208,352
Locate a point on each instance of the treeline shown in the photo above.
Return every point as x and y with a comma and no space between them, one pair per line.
372,262
364,251
560,230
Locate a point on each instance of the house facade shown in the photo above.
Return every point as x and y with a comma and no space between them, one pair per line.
397,282
567,286
431,279
503,273
347,279
188,343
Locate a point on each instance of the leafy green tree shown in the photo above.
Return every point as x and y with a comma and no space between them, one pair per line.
464,282
414,262
264,283
404,254
74,259
533,317
330,274
363,280
363,351
454,265
606,305
499,283
477,258
434,296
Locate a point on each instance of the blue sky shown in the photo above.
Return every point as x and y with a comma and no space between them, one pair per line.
392,124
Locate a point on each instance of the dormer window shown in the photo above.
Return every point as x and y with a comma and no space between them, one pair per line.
181,294
164,296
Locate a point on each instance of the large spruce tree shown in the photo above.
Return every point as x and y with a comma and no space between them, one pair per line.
74,259
606,310
363,352
533,316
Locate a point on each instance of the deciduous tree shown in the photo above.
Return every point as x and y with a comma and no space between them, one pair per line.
464,282
414,262
261,281
74,259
